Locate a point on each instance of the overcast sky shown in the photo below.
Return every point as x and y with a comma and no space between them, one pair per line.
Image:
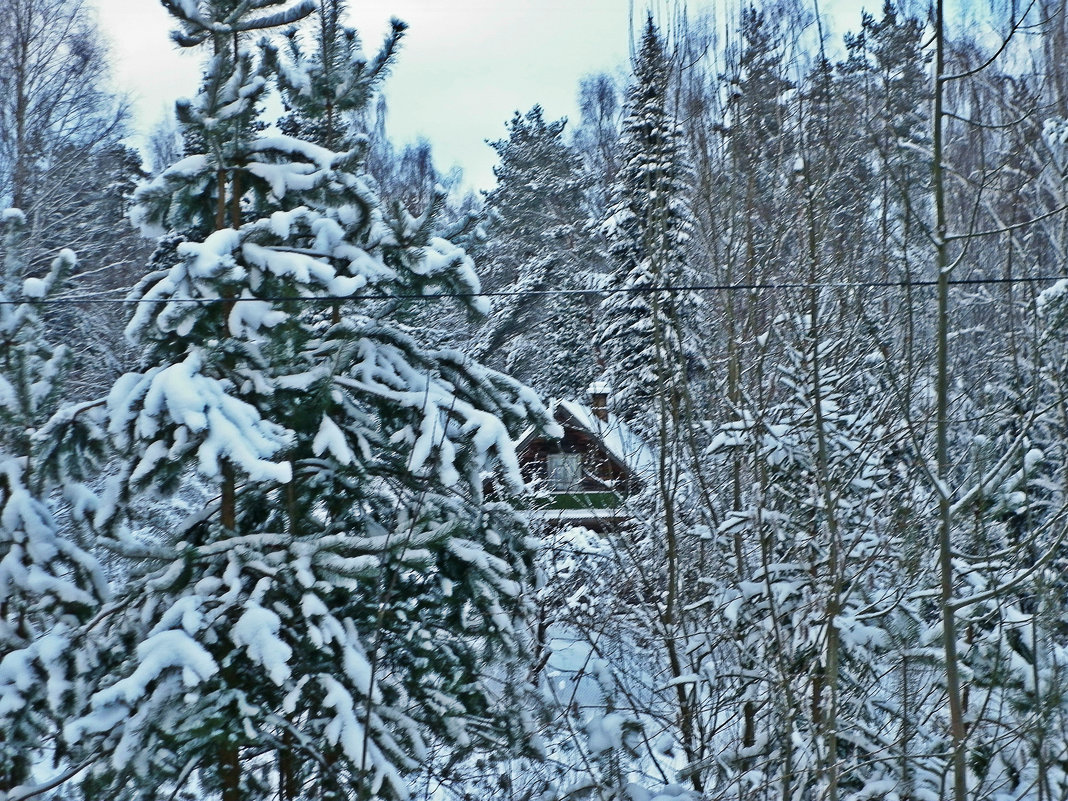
465,66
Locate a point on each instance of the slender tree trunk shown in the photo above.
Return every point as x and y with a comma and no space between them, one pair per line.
287,779
671,368
829,720
220,200
945,513
235,201
230,772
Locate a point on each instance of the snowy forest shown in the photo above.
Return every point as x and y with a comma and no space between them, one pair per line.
267,528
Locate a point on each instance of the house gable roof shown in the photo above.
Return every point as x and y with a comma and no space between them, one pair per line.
634,458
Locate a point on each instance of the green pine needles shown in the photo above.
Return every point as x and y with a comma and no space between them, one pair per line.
347,601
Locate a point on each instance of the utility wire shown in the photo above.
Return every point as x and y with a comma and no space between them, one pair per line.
96,298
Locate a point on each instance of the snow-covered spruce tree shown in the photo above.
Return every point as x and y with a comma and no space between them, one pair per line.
341,605
760,148
648,228
48,585
540,238
884,80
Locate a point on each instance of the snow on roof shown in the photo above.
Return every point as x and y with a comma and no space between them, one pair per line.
598,388
616,436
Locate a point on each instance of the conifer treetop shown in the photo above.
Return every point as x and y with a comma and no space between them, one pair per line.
648,228
323,85
201,20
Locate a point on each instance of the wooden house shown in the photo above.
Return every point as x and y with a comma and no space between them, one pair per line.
585,477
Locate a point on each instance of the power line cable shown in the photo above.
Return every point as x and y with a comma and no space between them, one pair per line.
96,298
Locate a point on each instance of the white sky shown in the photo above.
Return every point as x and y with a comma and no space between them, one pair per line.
464,67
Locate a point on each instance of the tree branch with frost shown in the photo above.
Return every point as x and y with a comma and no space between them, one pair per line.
997,474
197,28
24,793
1043,560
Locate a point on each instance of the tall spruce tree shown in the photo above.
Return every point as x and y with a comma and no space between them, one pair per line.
331,614
648,229
540,239
884,77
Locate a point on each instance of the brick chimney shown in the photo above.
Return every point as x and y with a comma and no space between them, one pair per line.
598,391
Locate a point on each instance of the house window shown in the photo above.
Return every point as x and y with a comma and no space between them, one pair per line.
565,470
